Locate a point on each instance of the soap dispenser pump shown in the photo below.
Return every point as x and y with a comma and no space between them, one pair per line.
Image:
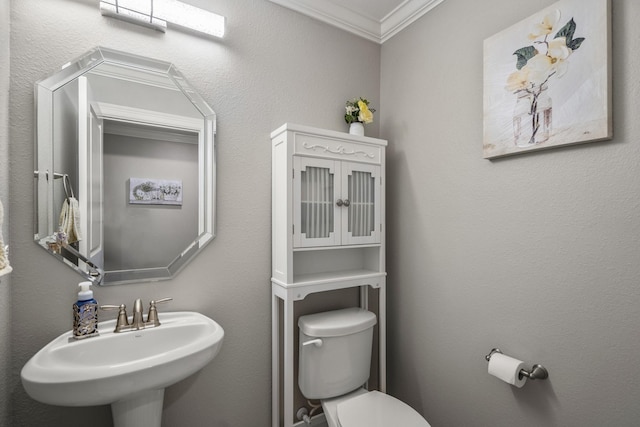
85,313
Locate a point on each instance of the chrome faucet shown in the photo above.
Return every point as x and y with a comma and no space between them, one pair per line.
137,321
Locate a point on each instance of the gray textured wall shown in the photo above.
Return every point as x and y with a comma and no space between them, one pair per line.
273,66
536,254
138,225
5,289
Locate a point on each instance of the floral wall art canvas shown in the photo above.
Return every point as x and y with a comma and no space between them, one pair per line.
145,191
547,80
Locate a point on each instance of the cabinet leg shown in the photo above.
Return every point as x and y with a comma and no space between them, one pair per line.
275,362
288,362
382,298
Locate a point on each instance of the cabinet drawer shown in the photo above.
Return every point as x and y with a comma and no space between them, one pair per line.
316,146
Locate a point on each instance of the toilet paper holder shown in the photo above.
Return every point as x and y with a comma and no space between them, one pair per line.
537,372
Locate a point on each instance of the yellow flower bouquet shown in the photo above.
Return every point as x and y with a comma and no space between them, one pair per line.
357,110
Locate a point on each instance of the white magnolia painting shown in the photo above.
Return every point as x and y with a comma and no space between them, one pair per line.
146,191
547,80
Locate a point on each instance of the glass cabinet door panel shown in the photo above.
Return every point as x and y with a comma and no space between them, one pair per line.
316,220
362,222
361,203
315,186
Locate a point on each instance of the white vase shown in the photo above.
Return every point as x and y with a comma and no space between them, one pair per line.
356,128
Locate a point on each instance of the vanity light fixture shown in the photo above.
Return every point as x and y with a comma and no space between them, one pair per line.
157,13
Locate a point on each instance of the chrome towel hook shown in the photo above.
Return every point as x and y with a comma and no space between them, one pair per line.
537,372
68,189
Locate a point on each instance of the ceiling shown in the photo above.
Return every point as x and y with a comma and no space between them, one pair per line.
376,20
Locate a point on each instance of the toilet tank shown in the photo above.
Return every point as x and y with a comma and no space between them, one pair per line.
341,362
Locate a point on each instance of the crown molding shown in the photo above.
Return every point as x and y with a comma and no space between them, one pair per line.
378,31
403,16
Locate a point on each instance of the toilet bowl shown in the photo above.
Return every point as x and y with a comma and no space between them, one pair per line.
363,408
335,360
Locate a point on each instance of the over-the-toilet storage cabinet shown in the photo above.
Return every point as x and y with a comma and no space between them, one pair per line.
328,203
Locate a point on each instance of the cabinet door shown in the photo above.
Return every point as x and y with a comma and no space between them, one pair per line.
361,203
315,213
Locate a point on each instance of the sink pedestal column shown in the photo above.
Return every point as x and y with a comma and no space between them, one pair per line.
143,410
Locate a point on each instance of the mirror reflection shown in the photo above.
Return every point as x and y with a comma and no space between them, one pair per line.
125,169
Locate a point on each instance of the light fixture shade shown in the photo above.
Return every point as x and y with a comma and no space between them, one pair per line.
157,13
134,11
191,17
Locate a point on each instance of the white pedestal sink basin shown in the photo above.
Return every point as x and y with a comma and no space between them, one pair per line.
127,370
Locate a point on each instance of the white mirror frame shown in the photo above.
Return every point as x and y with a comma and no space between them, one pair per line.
46,223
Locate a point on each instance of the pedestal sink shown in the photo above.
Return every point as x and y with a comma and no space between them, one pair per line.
127,370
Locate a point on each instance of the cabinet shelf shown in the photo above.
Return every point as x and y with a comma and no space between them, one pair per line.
333,248
323,282
333,277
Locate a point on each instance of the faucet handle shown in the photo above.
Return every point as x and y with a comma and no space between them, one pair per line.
111,307
152,316
122,321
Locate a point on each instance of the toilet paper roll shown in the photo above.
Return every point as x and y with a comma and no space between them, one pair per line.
507,369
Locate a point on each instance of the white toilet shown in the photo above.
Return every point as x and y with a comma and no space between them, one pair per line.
335,360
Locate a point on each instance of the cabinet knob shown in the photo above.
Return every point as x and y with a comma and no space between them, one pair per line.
339,202
346,202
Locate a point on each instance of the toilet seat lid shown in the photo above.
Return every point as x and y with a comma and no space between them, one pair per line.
375,409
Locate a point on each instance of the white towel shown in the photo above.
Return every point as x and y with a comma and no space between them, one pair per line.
70,220
5,267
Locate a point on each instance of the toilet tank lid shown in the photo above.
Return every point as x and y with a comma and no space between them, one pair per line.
336,323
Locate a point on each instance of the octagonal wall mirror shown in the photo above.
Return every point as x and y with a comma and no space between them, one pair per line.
125,168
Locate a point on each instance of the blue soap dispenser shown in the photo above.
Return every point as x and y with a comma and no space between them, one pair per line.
85,313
